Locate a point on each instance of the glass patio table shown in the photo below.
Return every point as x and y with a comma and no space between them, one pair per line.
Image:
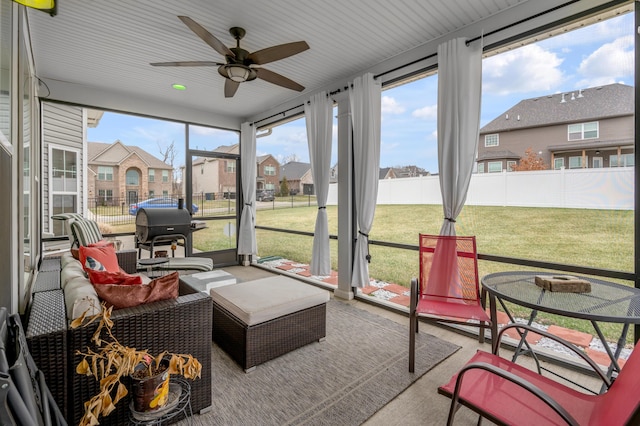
606,302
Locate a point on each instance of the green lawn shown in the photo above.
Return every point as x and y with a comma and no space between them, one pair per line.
595,238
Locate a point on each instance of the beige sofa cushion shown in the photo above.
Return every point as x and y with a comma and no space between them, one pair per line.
80,296
254,302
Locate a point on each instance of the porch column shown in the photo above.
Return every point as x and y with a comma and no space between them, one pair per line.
345,200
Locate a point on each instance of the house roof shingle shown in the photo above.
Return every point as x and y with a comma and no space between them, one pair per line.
594,103
294,170
95,150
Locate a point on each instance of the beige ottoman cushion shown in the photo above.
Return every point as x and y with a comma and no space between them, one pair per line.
254,302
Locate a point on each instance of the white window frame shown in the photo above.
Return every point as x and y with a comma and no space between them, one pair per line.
269,170
613,160
126,178
491,164
480,167
510,164
489,140
579,158
578,131
79,180
105,171
230,166
152,175
165,176
556,161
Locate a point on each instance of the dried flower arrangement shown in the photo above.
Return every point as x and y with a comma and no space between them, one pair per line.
111,361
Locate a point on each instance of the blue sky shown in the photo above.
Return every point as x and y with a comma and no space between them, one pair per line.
599,54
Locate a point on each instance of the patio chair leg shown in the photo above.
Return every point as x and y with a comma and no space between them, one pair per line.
413,322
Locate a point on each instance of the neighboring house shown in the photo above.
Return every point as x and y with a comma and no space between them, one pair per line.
409,171
386,173
299,177
121,173
215,175
587,128
267,173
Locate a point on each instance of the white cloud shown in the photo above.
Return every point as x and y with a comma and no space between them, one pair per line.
390,106
529,68
608,63
429,111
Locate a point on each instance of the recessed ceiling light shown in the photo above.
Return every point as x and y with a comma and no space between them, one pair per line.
179,86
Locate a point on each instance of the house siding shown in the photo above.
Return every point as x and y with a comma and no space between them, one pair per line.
63,128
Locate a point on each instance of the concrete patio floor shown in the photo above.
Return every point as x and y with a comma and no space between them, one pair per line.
420,404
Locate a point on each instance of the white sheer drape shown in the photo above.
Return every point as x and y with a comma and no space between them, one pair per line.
319,118
459,90
364,97
247,232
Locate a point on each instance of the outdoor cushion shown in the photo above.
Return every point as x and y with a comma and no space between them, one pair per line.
126,296
186,263
107,277
85,232
106,255
254,302
80,296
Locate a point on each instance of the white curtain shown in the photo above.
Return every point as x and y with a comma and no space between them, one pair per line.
364,98
319,117
459,90
247,233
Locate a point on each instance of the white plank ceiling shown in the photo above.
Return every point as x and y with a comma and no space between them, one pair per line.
108,45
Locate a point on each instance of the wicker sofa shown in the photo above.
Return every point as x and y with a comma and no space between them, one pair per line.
182,325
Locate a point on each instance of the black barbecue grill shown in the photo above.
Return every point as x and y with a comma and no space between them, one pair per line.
158,226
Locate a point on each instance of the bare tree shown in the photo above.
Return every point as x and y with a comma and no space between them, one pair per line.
169,157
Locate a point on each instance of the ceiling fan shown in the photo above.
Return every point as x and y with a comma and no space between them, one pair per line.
240,65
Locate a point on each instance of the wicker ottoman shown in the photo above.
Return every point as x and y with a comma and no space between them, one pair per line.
256,321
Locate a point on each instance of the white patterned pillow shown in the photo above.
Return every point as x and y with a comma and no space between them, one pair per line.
91,263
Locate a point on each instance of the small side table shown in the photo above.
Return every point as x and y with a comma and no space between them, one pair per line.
175,410
152,263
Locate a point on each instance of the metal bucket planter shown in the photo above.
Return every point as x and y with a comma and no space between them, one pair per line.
150,393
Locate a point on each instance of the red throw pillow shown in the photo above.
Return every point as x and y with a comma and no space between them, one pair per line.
106,277
106,255
102,243
126,296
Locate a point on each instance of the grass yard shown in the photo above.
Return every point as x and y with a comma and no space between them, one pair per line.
595,238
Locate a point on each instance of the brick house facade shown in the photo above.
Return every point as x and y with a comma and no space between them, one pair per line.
120,173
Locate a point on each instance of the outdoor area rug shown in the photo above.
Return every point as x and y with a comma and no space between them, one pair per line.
360,367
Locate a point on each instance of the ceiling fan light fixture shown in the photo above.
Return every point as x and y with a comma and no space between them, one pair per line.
238,73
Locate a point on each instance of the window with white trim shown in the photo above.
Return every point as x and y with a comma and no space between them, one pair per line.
63,166
152,175
133,178
105,173
494,166
581,131
269,170
230,166
510,165
105,195
558,163
575,162
165,176
480,167
627,160
491,140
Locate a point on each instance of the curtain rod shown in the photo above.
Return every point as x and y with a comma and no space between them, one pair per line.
506,27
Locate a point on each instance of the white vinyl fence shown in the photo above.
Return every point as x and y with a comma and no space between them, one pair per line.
606,188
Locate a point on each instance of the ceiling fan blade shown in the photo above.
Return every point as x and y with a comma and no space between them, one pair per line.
275,53
230,88
186,64
278,79
207,37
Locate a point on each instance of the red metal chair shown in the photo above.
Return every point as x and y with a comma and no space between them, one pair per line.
509,394
448,289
